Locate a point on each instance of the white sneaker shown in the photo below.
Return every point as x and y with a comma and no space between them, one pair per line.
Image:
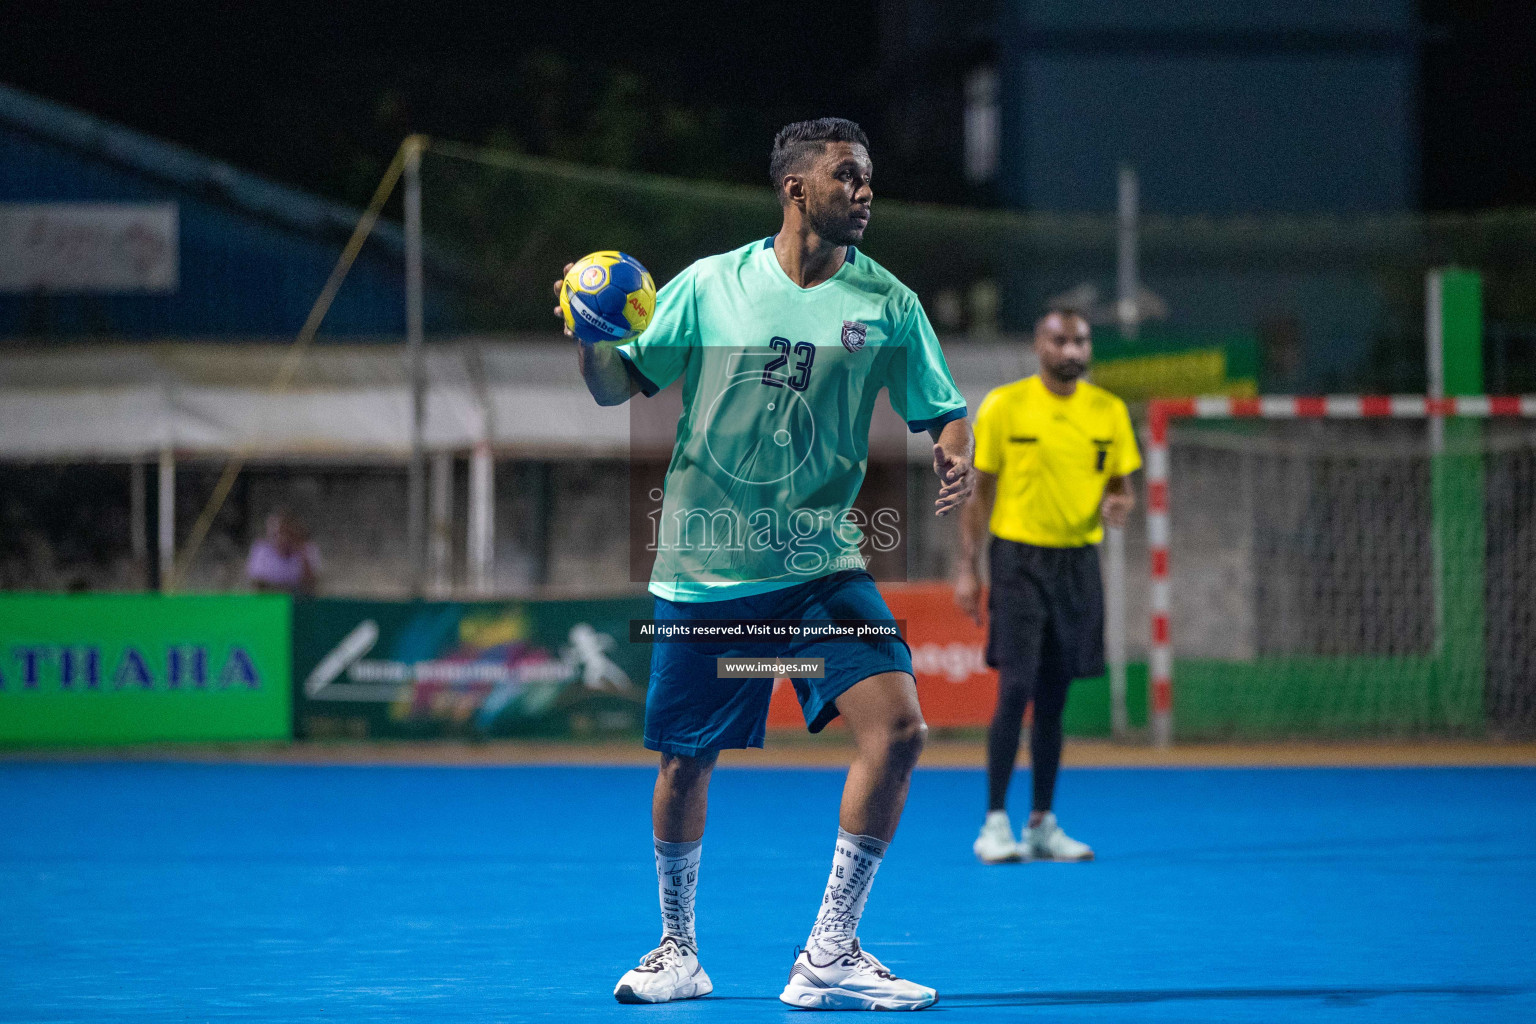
670,971
1046,841
995,844
854,981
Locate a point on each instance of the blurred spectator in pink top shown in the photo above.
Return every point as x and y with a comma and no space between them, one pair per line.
284,561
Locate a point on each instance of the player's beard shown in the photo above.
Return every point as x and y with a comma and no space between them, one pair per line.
839,228
1069,369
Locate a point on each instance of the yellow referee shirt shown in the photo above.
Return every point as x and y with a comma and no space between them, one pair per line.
1052,457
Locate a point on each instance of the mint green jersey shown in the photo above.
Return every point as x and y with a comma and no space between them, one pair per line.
779,384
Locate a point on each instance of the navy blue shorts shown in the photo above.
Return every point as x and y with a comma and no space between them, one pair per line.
690,712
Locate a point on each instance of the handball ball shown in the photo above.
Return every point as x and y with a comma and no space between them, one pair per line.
607,296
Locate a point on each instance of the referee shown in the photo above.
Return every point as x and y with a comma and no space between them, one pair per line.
1054,455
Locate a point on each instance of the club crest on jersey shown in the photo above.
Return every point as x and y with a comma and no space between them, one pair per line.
853,335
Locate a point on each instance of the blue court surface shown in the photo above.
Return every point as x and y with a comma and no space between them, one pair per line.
173,892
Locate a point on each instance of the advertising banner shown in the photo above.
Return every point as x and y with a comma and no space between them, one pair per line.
1158,364
88,247
468,669
954,685
125,668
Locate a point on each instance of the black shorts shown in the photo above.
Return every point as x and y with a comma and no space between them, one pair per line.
1045,610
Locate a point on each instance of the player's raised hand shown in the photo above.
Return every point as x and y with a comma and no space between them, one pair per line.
559,314
956,476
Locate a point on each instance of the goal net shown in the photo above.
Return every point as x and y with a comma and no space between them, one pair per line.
1343,567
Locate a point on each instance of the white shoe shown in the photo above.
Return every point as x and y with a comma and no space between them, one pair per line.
995,844
1046,841
853,981
670,971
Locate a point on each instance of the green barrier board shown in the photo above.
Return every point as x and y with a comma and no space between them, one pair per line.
1165,365
127,668
1088,713
432,669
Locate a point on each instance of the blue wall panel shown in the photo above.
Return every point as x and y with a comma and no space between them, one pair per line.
1315,15
1215,135
241,275
1224,108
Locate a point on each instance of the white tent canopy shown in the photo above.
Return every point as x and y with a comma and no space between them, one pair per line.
513,397
522,396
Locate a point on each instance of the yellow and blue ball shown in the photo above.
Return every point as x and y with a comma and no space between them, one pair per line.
607,296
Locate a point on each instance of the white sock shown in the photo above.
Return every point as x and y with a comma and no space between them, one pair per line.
854,863
677,875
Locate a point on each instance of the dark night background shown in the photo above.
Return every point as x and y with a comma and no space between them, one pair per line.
319,95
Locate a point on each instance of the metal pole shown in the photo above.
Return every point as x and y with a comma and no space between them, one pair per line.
1114,629
1128,314
1127,282
442,522
1434,354
482,521
480,534
138,521
167,515
1434,367
416,480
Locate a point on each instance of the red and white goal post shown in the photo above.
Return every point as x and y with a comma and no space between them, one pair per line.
1161,412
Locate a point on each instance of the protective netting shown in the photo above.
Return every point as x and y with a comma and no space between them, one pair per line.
1339,577
1336,303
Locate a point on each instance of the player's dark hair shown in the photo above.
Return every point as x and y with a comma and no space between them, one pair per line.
1065,312
797,141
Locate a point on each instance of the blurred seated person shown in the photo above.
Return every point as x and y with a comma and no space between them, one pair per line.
285,560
